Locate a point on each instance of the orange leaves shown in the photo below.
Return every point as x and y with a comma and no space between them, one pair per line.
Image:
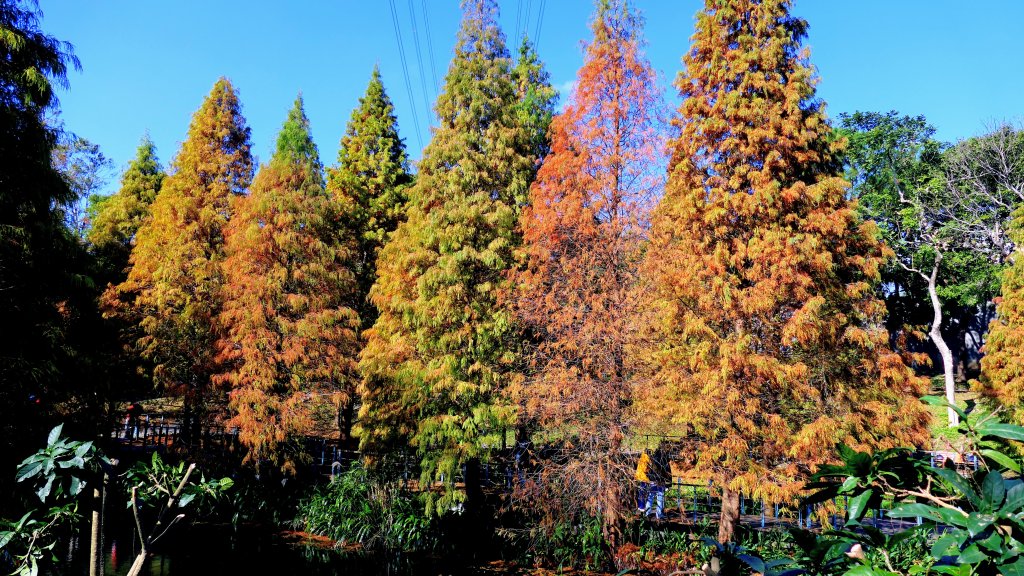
1003,364
583,233
289,336
173,286
770,348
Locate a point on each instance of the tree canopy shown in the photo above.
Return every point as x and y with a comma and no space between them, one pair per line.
288,340
173,289
433,362
769,348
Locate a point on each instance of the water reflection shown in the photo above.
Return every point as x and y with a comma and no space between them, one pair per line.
220,550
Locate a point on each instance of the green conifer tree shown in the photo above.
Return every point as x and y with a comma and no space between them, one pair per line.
537,99
173,288
369,184
41,264
114,220
433,360
289,340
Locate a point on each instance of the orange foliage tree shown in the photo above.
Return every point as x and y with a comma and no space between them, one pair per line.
289,340
583,233
173,289
769,347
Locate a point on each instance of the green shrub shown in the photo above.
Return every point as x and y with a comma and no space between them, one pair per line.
359,508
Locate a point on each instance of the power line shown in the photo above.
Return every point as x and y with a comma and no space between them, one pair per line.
405,72
519,14
419,61
526,20
430,45
540,22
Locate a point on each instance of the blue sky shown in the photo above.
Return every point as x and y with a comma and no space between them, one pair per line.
148,64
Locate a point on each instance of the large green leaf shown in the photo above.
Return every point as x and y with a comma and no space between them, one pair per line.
1002,430
978,523
949,540
1001,459
858,505
972,555
1014,569
934,513
993,490
29,471
959,483
54,435
1014,499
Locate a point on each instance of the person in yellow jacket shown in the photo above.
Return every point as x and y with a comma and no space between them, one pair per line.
643,482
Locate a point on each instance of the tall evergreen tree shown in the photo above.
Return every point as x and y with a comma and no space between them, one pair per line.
114,220
289,339
42,266
583,235
173,288
770,348
369,184
433,360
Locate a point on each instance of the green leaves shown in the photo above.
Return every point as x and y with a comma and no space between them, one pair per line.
156,481
981,514
61,469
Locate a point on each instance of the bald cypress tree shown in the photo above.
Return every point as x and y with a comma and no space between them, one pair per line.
289,340
369,184
584,231
173,289
433,360
770,348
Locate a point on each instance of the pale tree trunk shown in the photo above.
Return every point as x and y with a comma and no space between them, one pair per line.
96,539
936,335
730,516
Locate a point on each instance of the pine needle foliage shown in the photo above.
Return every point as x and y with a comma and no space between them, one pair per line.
115,219
369,184
433,362
769,350
1002,366
584,231
289,341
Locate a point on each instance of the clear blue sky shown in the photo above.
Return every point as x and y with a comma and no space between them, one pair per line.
147,65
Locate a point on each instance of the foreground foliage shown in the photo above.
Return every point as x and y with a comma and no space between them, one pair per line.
65,472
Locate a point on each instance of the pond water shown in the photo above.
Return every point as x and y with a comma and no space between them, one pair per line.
220,550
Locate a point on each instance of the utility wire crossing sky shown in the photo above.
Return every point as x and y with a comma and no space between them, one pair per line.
148,65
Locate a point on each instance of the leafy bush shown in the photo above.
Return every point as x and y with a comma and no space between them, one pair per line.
565,544
358,508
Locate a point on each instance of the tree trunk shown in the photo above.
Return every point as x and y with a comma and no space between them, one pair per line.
140,562
346,414
940,343
730,516
96,538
